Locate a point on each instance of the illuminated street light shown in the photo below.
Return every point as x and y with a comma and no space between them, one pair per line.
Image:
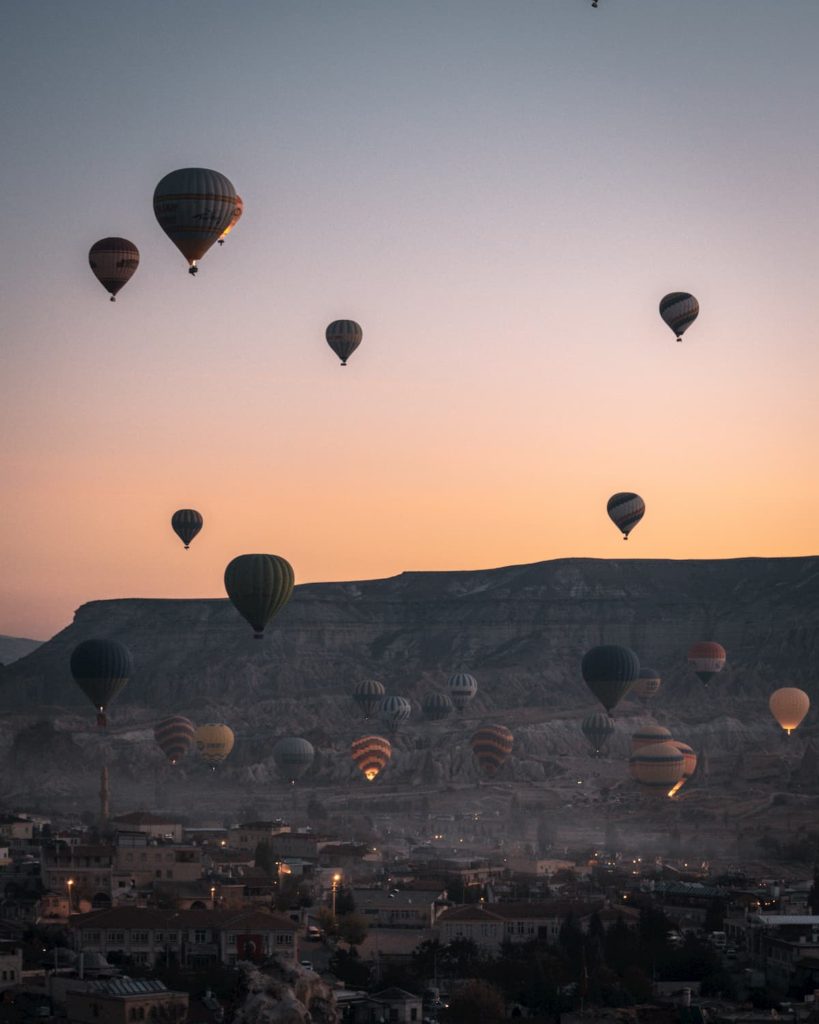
336,880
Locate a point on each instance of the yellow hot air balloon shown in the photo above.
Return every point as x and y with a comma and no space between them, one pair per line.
214,742
649,734
789,706
657,767
689,764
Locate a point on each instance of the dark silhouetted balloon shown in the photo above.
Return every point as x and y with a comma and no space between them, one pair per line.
293,756
174,736
437,706
101,669
194,206
186,523
394,711
679,310
259,586
114,262
597,728
625,510
344,337
609,671
367,695
462,689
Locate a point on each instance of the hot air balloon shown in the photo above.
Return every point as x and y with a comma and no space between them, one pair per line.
491,745
259,586
462,688
648,735
293,756
647,684
789,705
394,711
371,755
609,672
706,658
344,337
437,706
679,310
101,668
689,764
186,523
367,694
625,511
114,262
657,767
214,742
194,205
238,210
174,736
597,727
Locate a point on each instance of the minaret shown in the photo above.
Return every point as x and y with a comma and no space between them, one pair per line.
104,809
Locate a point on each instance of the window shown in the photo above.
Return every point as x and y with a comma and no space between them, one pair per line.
414,1013
200,936
92,938
231,939
172,938
168,873
139,938
116,937
12,975
159,936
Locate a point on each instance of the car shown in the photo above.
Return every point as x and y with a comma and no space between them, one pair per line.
307,965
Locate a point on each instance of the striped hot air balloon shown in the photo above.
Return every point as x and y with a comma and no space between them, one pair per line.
367,695
394,711
186,523
344,337
597,728
679,310
259,586
371,755
657,767
101,669
462,688
647,684
293,756
706,658
491,745
689,764
625,510
789,705
437,706
114,262
194,206
174,736
648,735
609,672
214,742
238,210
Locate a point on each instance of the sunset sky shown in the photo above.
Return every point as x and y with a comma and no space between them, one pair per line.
499,192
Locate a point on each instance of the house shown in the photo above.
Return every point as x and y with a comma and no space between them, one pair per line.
88,869
11,965
154,826
397,909
249,835
15,831
490,925
124,1001
139,862
396,1004
191,938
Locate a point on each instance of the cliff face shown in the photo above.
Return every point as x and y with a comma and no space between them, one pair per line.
520,630
14,647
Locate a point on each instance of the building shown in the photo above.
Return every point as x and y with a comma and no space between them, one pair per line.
490,925
15,831
248,836
191,938
154,826
124,1001
11,965
139,862
88,869
398,1005
405,909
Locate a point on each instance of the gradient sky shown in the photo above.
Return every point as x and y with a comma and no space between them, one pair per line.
500,193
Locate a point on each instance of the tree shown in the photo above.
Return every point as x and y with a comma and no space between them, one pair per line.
477,1002
345,902
352,928
263,858
350,968
715,916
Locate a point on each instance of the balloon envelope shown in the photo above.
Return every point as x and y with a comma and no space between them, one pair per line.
625,510
186,523
367,695
609,672
394,711
194,205
679,310
114,262
657,767
597,728
344,337
293,756
706,658
437,706
462,688
648,735
789,705
647,684
259,586
238,210
214,742
101,669
174,736
491,745
371,754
